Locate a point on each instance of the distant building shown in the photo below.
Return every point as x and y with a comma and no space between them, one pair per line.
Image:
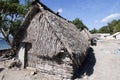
107,36
116,35
102,35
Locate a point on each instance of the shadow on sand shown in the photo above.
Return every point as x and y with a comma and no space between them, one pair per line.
1,69
87,66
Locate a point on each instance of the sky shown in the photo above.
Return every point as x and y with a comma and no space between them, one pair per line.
93,13
1,36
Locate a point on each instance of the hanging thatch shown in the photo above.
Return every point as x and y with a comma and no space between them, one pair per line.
87,34
49,37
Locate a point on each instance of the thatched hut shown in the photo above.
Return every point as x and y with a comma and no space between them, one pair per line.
87,35
51,43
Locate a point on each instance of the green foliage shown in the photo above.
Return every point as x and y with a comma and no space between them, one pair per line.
11,7
112,27
117,27
104,29
93,31
11,14
79,24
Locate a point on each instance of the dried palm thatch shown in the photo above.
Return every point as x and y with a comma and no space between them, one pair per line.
49,36
87,34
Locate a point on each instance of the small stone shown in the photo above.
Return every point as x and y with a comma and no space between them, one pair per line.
85,77
25,74
18,69
33,73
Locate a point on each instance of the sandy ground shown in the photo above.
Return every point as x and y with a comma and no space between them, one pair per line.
107,61
102,64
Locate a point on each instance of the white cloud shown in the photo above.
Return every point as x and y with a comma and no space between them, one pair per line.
60,10
110,17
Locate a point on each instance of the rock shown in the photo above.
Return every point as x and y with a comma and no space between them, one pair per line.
18,69
85,77
33,73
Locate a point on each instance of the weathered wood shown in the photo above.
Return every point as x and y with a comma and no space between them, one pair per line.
21,55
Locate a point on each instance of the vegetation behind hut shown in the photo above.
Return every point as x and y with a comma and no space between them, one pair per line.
11,15
112,27
79,24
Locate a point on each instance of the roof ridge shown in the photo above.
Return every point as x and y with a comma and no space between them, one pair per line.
46,8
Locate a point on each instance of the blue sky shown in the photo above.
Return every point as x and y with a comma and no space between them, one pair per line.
93,13
1,36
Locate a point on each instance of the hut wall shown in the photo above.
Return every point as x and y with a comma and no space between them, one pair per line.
118,36
60,71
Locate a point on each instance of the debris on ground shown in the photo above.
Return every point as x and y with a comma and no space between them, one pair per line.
12,64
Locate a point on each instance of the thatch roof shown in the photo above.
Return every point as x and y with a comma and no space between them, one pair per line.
87,34
49,33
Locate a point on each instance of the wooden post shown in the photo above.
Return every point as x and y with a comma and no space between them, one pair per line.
21,54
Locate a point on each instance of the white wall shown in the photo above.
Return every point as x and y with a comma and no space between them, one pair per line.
118,36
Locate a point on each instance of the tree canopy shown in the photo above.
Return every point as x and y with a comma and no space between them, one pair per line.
79,24
11,14
112,27
94,31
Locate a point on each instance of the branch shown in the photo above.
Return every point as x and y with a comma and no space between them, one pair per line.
6,38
